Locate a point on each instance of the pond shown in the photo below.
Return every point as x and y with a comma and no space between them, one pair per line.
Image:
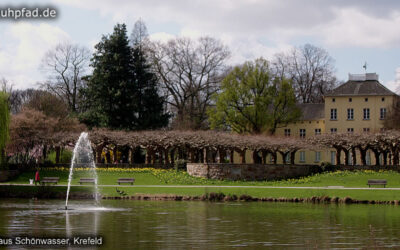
126,224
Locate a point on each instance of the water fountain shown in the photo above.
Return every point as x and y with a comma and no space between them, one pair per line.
83,156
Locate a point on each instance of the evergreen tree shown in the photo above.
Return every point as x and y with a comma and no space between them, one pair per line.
122,92
150,105
111,87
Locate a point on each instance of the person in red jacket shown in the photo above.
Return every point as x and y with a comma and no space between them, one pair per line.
37,177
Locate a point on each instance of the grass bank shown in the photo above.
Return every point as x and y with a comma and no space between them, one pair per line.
131,192
149,176
175,179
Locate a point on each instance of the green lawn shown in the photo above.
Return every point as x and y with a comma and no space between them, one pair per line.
171,177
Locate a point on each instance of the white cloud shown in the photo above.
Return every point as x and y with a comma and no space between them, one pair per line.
21,49
337,23
161,36
355,28
395,84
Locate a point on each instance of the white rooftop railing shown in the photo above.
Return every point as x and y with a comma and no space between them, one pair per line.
363,77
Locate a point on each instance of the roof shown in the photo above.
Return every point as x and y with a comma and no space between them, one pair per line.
312,111
360,88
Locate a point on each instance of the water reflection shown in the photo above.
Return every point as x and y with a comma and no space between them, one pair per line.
171,225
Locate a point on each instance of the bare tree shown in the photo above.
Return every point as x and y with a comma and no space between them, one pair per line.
190,72
311,70
65,65
139,35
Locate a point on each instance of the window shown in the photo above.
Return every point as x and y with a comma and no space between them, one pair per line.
383,113
383,99
317,131
350,114
350,130
302,133
333,99
333,114
333,130
350,99
366,130
287,158
366,99
287,132
368,158
366,114
333,157
317,156
350,158
302,156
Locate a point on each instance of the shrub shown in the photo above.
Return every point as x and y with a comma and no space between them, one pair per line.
327,167
180,164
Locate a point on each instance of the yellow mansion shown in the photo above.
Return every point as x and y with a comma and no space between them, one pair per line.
358,106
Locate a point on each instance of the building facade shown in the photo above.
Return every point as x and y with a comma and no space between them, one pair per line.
360,105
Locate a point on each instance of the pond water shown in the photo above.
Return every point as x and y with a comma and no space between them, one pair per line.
181,225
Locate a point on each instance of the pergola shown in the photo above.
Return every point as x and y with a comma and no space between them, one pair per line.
164,146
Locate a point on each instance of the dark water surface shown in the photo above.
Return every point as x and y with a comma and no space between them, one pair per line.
205,225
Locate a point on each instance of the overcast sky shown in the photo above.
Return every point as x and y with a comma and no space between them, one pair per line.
353,32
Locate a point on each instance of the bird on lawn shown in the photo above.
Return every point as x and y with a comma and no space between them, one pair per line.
121,192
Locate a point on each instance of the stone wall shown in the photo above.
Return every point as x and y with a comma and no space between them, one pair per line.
228,171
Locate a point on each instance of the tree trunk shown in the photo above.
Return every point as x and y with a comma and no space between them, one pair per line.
346,157
275,157
172,156
58,149
283,157
148,155
256,157
231,157
385,154
131,156
363,153
354,155
264,155
205,155
191,155
292,157
44,152
338,154
98,155
242,154
395,157
166,155
222,155
115,155
376,154
153,157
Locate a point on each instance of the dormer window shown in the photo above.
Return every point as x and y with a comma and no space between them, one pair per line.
366,99
383,99
350,99
333,100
